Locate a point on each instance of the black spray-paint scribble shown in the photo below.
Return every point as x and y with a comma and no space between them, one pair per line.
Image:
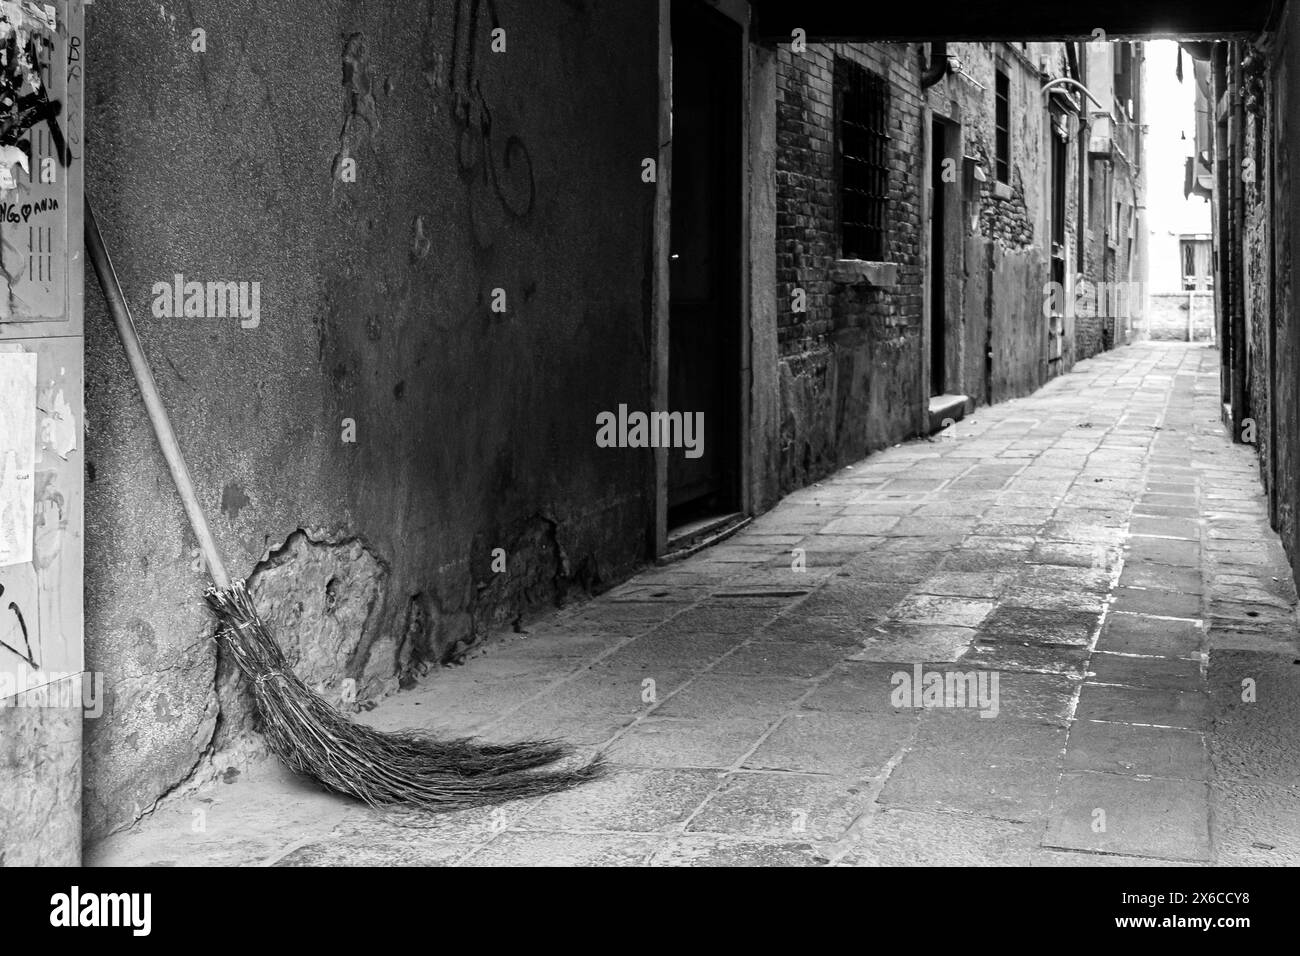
501,163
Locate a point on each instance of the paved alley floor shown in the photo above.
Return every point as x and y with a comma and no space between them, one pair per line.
1061,634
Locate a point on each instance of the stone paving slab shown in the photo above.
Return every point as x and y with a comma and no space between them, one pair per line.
819,688
1131,815
1132,749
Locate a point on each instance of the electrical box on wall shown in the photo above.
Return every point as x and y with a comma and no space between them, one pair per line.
41,351
43,687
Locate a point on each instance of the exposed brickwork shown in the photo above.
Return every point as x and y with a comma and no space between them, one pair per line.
1004,220
1092,334
854,362
848,350
807,190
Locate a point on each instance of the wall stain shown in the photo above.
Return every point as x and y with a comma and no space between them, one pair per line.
233,500
419,242
360,112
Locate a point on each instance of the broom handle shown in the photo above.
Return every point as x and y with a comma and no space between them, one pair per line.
162,426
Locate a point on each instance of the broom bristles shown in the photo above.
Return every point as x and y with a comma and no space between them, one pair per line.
377,767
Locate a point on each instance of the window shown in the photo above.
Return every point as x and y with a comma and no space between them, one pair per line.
1131,232
1060,161
1195,255
1123,78
862,110
1002,122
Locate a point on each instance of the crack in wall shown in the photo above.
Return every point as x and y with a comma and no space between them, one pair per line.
325,597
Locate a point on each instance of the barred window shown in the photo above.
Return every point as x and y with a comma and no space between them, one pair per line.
1002,123
862,111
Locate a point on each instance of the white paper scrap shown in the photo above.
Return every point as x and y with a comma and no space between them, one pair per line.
17,456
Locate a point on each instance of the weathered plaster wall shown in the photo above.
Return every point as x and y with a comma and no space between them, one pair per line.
40,776
1167,314
1285,469
1272,235
764,384
474,429
1113,248
1002,286
1019,331
1258,265
977,319
1019,222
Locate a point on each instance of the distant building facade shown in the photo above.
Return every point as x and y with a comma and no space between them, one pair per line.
1180,292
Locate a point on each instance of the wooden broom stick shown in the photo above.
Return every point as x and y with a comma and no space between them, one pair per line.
162,425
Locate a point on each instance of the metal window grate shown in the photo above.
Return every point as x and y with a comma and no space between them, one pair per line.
1002,122
862,100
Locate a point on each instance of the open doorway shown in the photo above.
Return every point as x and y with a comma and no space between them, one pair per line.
704,341
1059,149
938,259
944,276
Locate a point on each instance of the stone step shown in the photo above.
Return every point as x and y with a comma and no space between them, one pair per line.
947,409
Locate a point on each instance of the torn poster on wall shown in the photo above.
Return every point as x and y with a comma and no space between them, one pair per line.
34,160
17,456
58,425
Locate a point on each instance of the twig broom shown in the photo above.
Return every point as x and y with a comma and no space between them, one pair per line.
303,729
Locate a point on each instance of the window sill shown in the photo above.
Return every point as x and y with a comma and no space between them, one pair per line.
1001,190
862,272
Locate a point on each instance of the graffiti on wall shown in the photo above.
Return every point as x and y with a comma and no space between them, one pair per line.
34,153
496,165
41,63
20,638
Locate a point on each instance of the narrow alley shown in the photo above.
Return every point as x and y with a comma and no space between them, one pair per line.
1092,565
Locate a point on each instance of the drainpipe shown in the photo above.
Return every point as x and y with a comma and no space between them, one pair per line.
939,64
1237,195
1077,54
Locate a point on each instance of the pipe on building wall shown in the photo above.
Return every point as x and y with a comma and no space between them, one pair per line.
1081,212
1078,60
1048,87
939,67
1236,152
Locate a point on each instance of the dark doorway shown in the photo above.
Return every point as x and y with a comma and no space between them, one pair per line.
1060,159
704,266
938,260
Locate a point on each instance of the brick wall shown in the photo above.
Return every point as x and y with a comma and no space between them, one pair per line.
849,374
1092,334
853,365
